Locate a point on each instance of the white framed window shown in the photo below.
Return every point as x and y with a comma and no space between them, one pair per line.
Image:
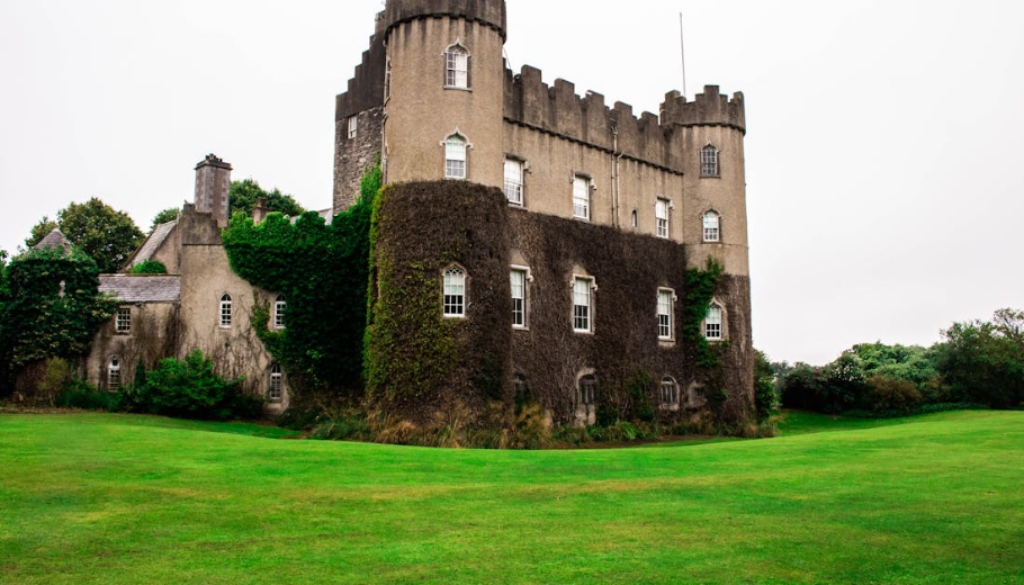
387,80
581,197
280,308
713,323
712,227
225,311
709,162
454,293
276,391
520,278
583,305
123,322
114,374
514,181
456,68
669,391
666,314
661,214
455,157
588,390
353,127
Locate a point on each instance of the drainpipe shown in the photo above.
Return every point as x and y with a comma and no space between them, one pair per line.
615,175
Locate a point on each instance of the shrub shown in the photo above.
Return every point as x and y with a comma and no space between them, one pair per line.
190,389
149,267
884,393
57,375
81,395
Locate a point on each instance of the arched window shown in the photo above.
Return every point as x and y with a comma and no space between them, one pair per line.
588,390
454,293
455,157
669,391
225,311
114,374
712,227
280,306
713,323
636,218
709,162
276,391
456,67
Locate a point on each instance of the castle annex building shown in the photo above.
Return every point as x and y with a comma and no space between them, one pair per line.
554,232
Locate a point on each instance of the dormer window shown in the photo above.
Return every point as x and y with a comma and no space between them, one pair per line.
456,67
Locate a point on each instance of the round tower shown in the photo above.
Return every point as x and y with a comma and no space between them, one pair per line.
444,90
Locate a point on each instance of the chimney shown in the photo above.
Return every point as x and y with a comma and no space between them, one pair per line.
213,185
259,213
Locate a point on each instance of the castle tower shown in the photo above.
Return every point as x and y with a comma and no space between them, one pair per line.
213,186
444,90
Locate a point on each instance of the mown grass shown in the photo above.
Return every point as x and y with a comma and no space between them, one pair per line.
133,500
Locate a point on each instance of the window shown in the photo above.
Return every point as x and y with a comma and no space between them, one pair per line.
709,162
521,388
514,181
276,391
124,320
454,293
661,213
280,307
669,391
588,390
713,323
387,81
636,218
582,305
666,300
712,227
114,374
519,279
455,157
581,197
353,127
457,68
225,311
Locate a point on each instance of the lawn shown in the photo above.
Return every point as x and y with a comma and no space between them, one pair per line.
105,499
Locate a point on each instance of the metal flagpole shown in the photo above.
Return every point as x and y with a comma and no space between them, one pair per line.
682,44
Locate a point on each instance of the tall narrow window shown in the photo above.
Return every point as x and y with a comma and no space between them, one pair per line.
280,307
712,227
457,68
514,181
669,391
519,299
588,390
124,320
665,302
709,162
581,197
276,391
455,157
582,305
387,81
353,127
114,375
225,311
636,218
661,213
713,323
521,388
454,293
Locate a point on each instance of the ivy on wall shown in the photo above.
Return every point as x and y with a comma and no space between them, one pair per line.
321,271
700,291
49,307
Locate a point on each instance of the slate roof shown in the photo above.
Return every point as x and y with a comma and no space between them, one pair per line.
142,289
54,239
153,243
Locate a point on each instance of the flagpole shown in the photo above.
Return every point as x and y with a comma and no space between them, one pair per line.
682,44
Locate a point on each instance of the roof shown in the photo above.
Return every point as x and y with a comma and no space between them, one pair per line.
142,288
54,239
152,243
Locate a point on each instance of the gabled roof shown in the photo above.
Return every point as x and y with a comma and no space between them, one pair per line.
54,239
152,243
142,288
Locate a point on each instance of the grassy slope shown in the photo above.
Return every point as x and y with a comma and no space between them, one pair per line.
124,500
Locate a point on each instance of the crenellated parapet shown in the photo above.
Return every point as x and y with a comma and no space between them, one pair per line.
708,109
489,13
559,111
366,87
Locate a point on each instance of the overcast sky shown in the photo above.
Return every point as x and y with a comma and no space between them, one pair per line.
885,195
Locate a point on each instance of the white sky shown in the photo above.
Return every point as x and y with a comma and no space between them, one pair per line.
882,143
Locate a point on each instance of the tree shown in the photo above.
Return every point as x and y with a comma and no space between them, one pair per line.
245,194
766,400
165,216
984,361
106,235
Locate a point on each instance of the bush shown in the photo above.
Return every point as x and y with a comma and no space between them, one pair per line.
149,267
80,395
884,393
190,389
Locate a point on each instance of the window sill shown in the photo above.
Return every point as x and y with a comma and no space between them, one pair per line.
578,332
123,333
456,88
455,317
666,343
711,176
520,328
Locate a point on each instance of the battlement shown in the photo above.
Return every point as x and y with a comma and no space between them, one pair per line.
489,13
366,87
708,109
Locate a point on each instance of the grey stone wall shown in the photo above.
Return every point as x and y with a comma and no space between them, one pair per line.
353,155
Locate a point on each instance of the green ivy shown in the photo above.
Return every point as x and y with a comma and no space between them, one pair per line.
149,267
700,290
49,307
322,271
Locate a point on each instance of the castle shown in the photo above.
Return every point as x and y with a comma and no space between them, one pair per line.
557,231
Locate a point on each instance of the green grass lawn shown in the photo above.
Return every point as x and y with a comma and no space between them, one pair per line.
105,499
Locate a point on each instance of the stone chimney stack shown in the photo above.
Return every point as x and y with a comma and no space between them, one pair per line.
213,185
259,213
